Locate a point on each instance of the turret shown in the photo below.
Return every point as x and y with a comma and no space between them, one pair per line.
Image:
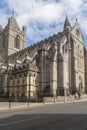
1,28
24,30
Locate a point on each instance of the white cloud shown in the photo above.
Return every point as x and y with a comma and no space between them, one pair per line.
3,19
38,15
83,24
72,7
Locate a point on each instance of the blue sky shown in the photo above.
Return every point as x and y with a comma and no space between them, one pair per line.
44,17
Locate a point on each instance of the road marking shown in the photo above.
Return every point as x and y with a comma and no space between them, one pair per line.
20,121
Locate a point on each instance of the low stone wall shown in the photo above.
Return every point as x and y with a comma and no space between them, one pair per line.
53,99
61,98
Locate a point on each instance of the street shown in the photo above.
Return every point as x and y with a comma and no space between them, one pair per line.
72,116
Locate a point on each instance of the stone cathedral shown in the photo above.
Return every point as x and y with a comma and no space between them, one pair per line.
45,68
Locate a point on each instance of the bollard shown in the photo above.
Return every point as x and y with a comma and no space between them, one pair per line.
9,104
28,102
54,99
43,100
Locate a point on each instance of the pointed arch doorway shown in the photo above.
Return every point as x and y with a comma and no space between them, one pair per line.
80,84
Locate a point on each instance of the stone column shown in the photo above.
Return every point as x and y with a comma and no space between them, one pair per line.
29,89
5,84
53,71
66,73
27,84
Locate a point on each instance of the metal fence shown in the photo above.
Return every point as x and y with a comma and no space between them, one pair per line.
32,97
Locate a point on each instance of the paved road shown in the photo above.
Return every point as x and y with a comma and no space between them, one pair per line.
51,117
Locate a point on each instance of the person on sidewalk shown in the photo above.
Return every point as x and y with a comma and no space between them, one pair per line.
76,95
79,95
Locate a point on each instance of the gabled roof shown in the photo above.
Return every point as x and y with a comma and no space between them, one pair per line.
76,31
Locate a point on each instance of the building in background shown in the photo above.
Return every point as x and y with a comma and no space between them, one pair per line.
45,68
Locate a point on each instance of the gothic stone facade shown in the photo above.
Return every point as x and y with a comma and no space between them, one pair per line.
45,68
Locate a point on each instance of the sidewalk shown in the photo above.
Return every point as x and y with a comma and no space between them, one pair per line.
16,105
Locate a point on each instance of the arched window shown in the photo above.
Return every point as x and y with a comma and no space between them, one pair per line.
80,84
77,32
17,42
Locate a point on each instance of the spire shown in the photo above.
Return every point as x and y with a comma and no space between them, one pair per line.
13,22
67,24
76,20
13,12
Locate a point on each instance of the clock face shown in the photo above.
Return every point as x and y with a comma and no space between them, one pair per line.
77,32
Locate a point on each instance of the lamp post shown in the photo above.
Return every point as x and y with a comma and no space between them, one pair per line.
65,94
9,101
28,97
69,58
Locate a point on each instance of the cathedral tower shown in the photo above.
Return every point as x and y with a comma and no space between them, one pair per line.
12,38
